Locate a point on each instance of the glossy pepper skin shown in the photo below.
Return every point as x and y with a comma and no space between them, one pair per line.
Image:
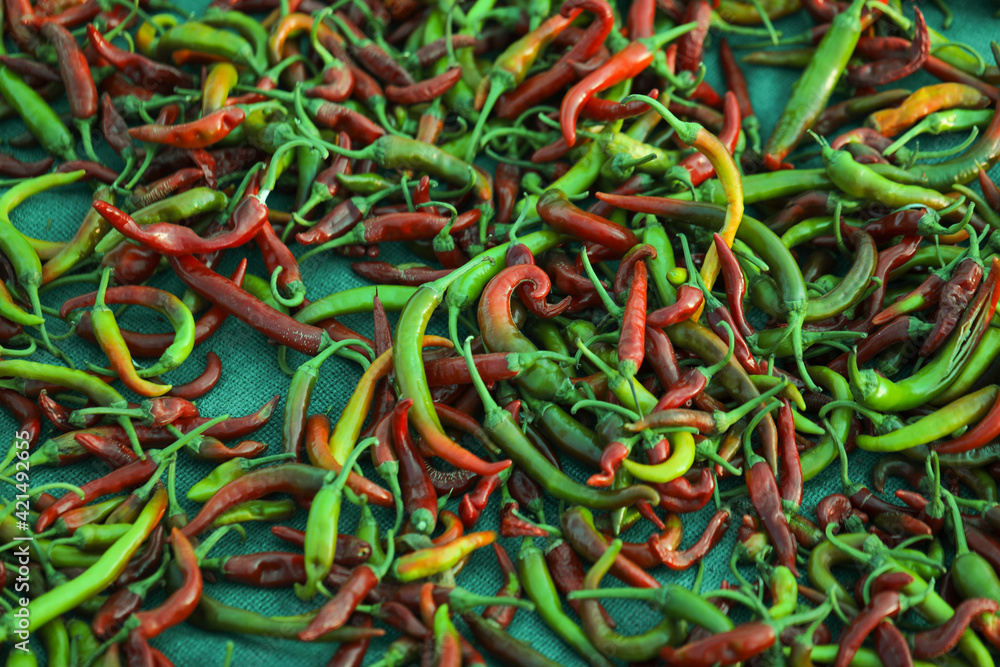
814,88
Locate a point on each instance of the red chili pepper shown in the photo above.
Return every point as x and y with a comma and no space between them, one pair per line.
938,641
19,14
641,19
882,606
689,300
133,474
424,91
537,88
199,133
982,433
564,274
303,480
182,602
767,501
149,74
519,254
888,260
25,413
338,610
955,296
372,56
632,337
473,503
682,560
420,498
170,239
689,46
626,64
384,273
562,215
33,72
247,308
735,80
791,468
990,190
609,111
891,646
10,166
924,296
660,354
579,531
430,53
405,226
727,648
886,70
81,92
900,48
95,171
567,573
111,451
342,119
182,179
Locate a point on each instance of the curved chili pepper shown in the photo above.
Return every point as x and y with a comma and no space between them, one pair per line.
196,134
625,64
170,239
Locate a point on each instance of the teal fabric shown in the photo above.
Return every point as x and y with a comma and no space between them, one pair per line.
251,376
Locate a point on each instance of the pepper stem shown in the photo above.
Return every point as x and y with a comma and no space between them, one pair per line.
296,287
845,477
752,458
477,381
604,405
725,420
609,303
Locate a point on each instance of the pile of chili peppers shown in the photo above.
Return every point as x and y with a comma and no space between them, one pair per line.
650,317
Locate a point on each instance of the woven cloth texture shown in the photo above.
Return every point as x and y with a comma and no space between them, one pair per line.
251,376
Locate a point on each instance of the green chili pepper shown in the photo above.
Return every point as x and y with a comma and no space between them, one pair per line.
43,123
321,526
813,90
964,411
201,37
541,589
257,510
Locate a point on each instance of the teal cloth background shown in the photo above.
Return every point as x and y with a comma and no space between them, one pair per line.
250,377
